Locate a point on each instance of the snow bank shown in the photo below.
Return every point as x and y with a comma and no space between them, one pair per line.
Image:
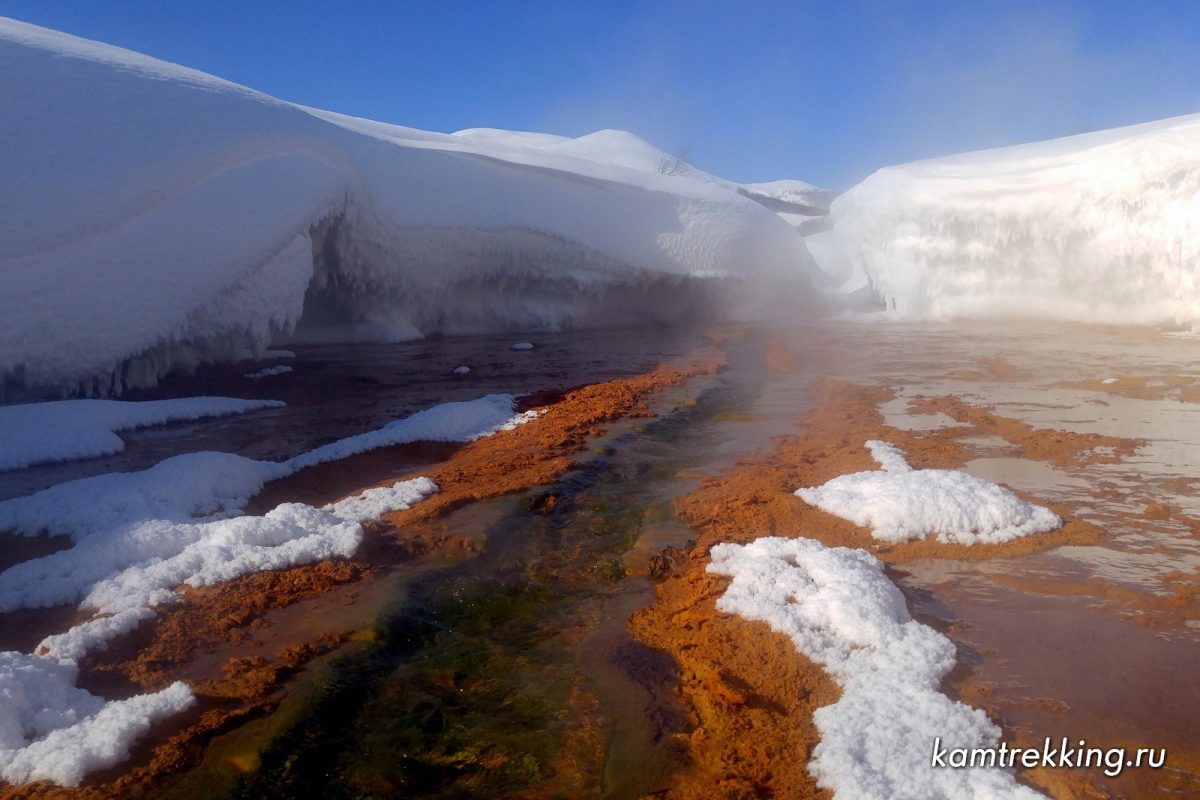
268,372
177,489
448,422
140,536
374,503
1102,227
52,730
840,610
69,429
900,503
154,216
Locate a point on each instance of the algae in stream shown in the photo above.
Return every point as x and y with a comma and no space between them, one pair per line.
512,673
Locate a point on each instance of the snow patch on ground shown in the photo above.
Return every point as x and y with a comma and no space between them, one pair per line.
138,537
374,503
268,372
52,730
522,346
65,430
840,610
899,503
448,422
178,489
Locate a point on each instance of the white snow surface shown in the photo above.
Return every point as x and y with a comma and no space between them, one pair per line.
1101,227
447,422
52,730
177,489
899,503
154,216
375,502
841,611
138,537
65,430
268,372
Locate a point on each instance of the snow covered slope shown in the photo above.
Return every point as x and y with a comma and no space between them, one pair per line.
1102,227
154,216
803,206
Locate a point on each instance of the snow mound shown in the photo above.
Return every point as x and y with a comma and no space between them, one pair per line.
178,489
140,536
1101,227
65,430
268,372
52,730
156,217
899,503
374,503
840,610
448,422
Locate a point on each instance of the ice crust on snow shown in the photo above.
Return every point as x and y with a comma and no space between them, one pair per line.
899,503
1102,227
138,537
840,610
218,219
65,430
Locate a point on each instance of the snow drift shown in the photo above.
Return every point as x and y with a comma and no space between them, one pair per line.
33,433
139,536
840,610
154,216
1101,227
899,503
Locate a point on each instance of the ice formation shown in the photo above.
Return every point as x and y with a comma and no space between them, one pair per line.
840,610
137,538
1101,227
899,503
155,216
64,430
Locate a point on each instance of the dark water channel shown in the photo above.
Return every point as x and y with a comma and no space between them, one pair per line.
510,673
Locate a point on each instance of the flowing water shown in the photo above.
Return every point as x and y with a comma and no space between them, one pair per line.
509,672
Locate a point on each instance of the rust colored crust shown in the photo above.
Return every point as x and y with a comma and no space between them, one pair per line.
231,686
752,694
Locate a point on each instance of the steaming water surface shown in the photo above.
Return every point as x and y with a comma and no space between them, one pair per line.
481,669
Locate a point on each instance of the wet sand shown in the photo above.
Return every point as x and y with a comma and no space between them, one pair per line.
1087,631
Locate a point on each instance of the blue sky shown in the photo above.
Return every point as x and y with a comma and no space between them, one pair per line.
823,91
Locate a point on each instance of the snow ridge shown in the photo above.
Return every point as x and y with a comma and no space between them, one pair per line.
34,433
899,503
840,610
138,537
